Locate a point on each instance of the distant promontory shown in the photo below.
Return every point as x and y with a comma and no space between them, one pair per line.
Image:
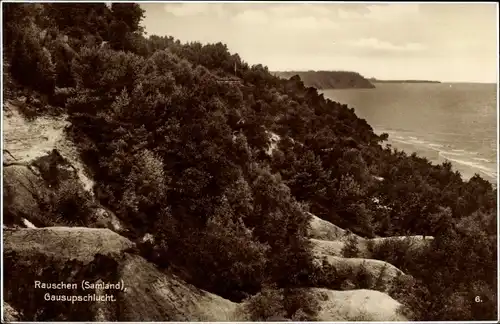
373,80
329,79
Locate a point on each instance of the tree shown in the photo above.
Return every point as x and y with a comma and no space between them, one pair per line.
130,14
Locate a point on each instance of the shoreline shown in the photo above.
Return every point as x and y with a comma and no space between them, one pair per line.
467,165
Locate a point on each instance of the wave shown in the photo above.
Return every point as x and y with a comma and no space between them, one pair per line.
412,140
402,141
380,129
482,160
460,157
445,153
481,168
418,142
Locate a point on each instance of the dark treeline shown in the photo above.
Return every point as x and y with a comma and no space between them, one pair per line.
176,153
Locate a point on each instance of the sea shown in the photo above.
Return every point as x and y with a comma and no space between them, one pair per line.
440,121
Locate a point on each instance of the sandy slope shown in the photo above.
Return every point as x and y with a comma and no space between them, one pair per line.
10,314
81,243
323,230
358,305
328,241
326,236
28,140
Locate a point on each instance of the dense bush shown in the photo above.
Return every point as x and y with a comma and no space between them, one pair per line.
401,253
279,304
31,63
70,204
266,304
301,304
350,249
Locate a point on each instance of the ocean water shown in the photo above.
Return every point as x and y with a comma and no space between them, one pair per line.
455,122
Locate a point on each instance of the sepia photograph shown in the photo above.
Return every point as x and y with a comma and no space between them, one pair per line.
249,161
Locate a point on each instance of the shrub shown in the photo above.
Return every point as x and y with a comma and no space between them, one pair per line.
31,64
267,303
144,189
71,203
223,258
363,278
300,304
350,249
379,280
400,253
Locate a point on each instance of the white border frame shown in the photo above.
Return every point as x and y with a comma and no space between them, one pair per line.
317,2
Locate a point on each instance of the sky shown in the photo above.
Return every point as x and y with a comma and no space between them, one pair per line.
426,41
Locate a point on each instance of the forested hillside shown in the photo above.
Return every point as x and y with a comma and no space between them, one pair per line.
329,79
223,174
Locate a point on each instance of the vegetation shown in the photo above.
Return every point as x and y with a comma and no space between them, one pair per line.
180,155
69,204
329,79
350,249
281,304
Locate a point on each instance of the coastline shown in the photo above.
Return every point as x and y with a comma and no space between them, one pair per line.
467,163
470,147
